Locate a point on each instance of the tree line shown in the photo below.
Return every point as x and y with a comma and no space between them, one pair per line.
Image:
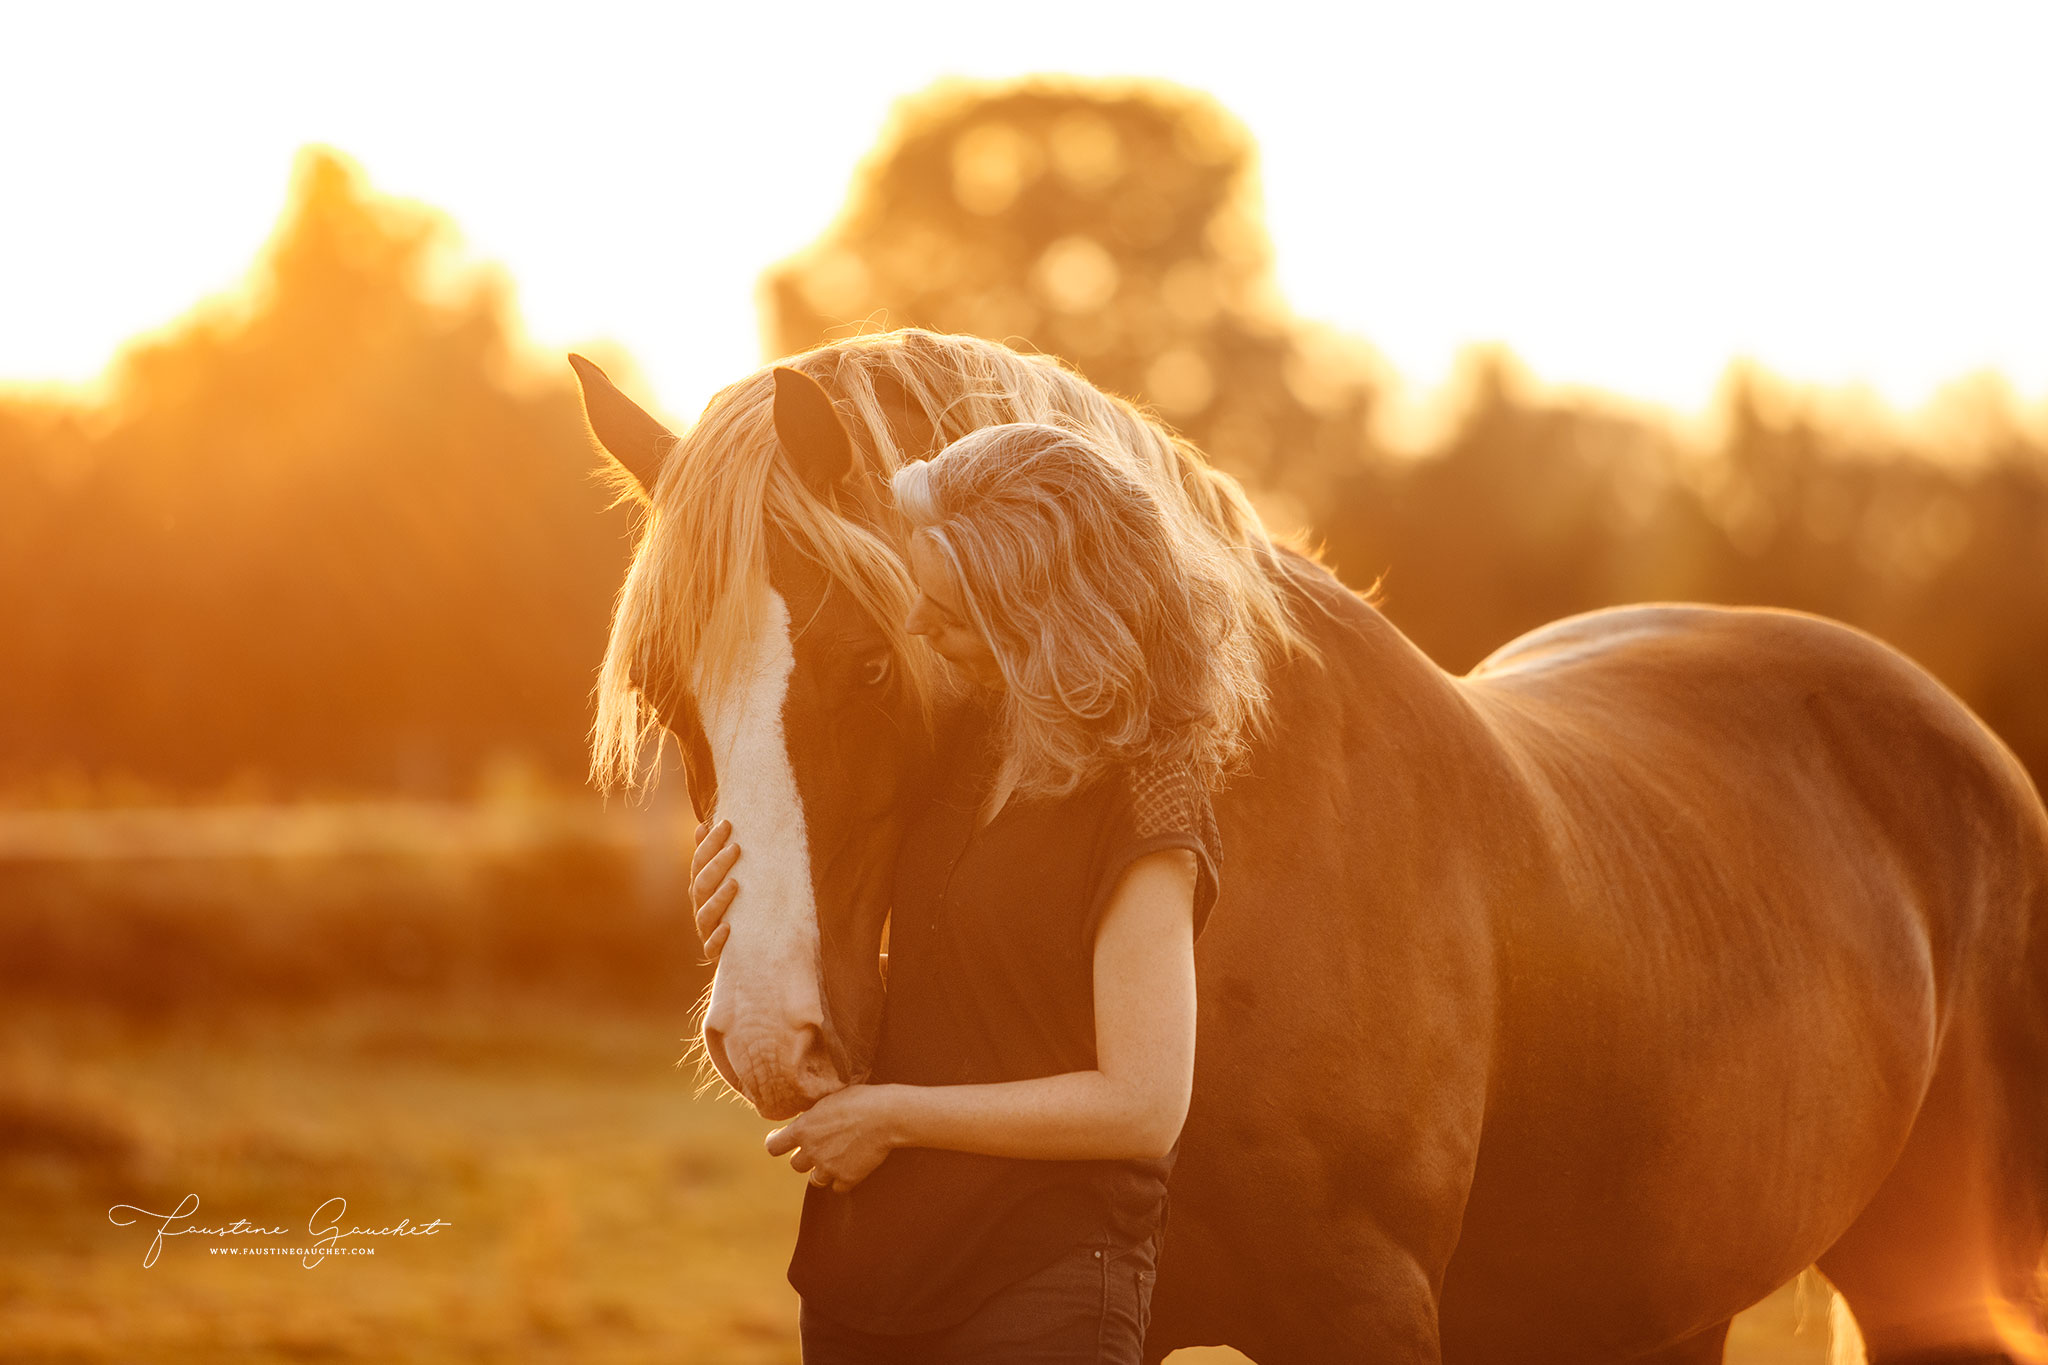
343,534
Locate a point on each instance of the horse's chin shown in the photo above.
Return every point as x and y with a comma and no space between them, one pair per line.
789,1099
780,1110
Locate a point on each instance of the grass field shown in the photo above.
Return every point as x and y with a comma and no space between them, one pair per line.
599,1213
507,1068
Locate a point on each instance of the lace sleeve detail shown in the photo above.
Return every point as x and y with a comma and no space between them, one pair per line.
1166,799
1164,807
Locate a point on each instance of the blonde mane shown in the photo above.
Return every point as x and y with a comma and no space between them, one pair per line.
690,597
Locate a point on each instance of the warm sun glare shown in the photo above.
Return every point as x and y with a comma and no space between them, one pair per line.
1626,196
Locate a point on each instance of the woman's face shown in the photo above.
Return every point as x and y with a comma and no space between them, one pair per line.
940,616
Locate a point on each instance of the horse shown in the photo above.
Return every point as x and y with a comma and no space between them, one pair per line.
1556,1012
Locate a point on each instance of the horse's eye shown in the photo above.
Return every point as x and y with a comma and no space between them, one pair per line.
875,671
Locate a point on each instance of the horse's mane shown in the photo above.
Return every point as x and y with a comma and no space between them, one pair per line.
691,594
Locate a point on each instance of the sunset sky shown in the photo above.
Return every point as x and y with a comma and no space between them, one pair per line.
1627,195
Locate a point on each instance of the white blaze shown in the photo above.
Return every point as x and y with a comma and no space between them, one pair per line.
774,919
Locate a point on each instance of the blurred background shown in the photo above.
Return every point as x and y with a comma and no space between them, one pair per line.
304,569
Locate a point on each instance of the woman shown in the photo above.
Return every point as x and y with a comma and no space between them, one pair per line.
996,1190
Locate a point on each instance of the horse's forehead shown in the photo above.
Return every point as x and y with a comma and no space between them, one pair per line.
797,613
798,579
826,616
763,655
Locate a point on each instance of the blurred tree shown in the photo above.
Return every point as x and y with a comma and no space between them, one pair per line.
329,532
1116,225
1113,224
333,532
1535,507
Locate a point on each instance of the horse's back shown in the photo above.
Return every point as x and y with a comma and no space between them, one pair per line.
1785,780
1782,706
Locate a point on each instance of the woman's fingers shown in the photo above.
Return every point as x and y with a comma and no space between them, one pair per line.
711,887
715,871
715,945
786,1139
711,917
710,839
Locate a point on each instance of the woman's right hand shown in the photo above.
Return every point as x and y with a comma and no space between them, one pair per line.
711,885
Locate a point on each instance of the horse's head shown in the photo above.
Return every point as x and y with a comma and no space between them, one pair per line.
802,711
762,626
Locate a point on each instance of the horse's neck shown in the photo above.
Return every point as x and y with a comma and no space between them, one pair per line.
1370,676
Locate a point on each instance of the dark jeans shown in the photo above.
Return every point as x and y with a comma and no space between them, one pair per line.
1092,1304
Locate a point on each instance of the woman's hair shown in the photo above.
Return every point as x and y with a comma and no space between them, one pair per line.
1117,632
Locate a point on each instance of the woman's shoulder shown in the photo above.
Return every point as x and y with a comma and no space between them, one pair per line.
1164,796
1163,802
1160,805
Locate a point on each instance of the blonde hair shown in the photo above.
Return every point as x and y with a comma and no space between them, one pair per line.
689,599
1117,635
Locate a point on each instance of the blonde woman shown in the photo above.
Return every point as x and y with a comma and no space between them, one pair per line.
996,1190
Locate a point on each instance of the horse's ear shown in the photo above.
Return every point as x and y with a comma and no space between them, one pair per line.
623,427
813,438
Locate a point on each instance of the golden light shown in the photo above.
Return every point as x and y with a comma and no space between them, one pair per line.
1626,196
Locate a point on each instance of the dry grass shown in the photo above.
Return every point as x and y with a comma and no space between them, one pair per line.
599,1212
483,1034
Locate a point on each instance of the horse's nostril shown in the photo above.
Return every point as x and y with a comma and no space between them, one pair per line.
714,1048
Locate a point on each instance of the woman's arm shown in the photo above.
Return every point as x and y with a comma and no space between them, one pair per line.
1131,1105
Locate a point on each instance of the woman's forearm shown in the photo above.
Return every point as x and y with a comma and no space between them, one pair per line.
1076,1116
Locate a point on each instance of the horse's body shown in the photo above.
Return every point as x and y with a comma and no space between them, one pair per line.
1616,1003
1554,1013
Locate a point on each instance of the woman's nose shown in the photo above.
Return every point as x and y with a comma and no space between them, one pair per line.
919,620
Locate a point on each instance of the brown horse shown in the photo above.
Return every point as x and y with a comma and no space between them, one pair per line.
1557,1012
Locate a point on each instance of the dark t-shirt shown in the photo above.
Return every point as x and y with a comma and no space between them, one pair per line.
991,978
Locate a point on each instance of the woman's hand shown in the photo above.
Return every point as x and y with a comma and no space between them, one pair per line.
711,886
842,1138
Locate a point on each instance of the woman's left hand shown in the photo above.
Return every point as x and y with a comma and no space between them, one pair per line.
840,1139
